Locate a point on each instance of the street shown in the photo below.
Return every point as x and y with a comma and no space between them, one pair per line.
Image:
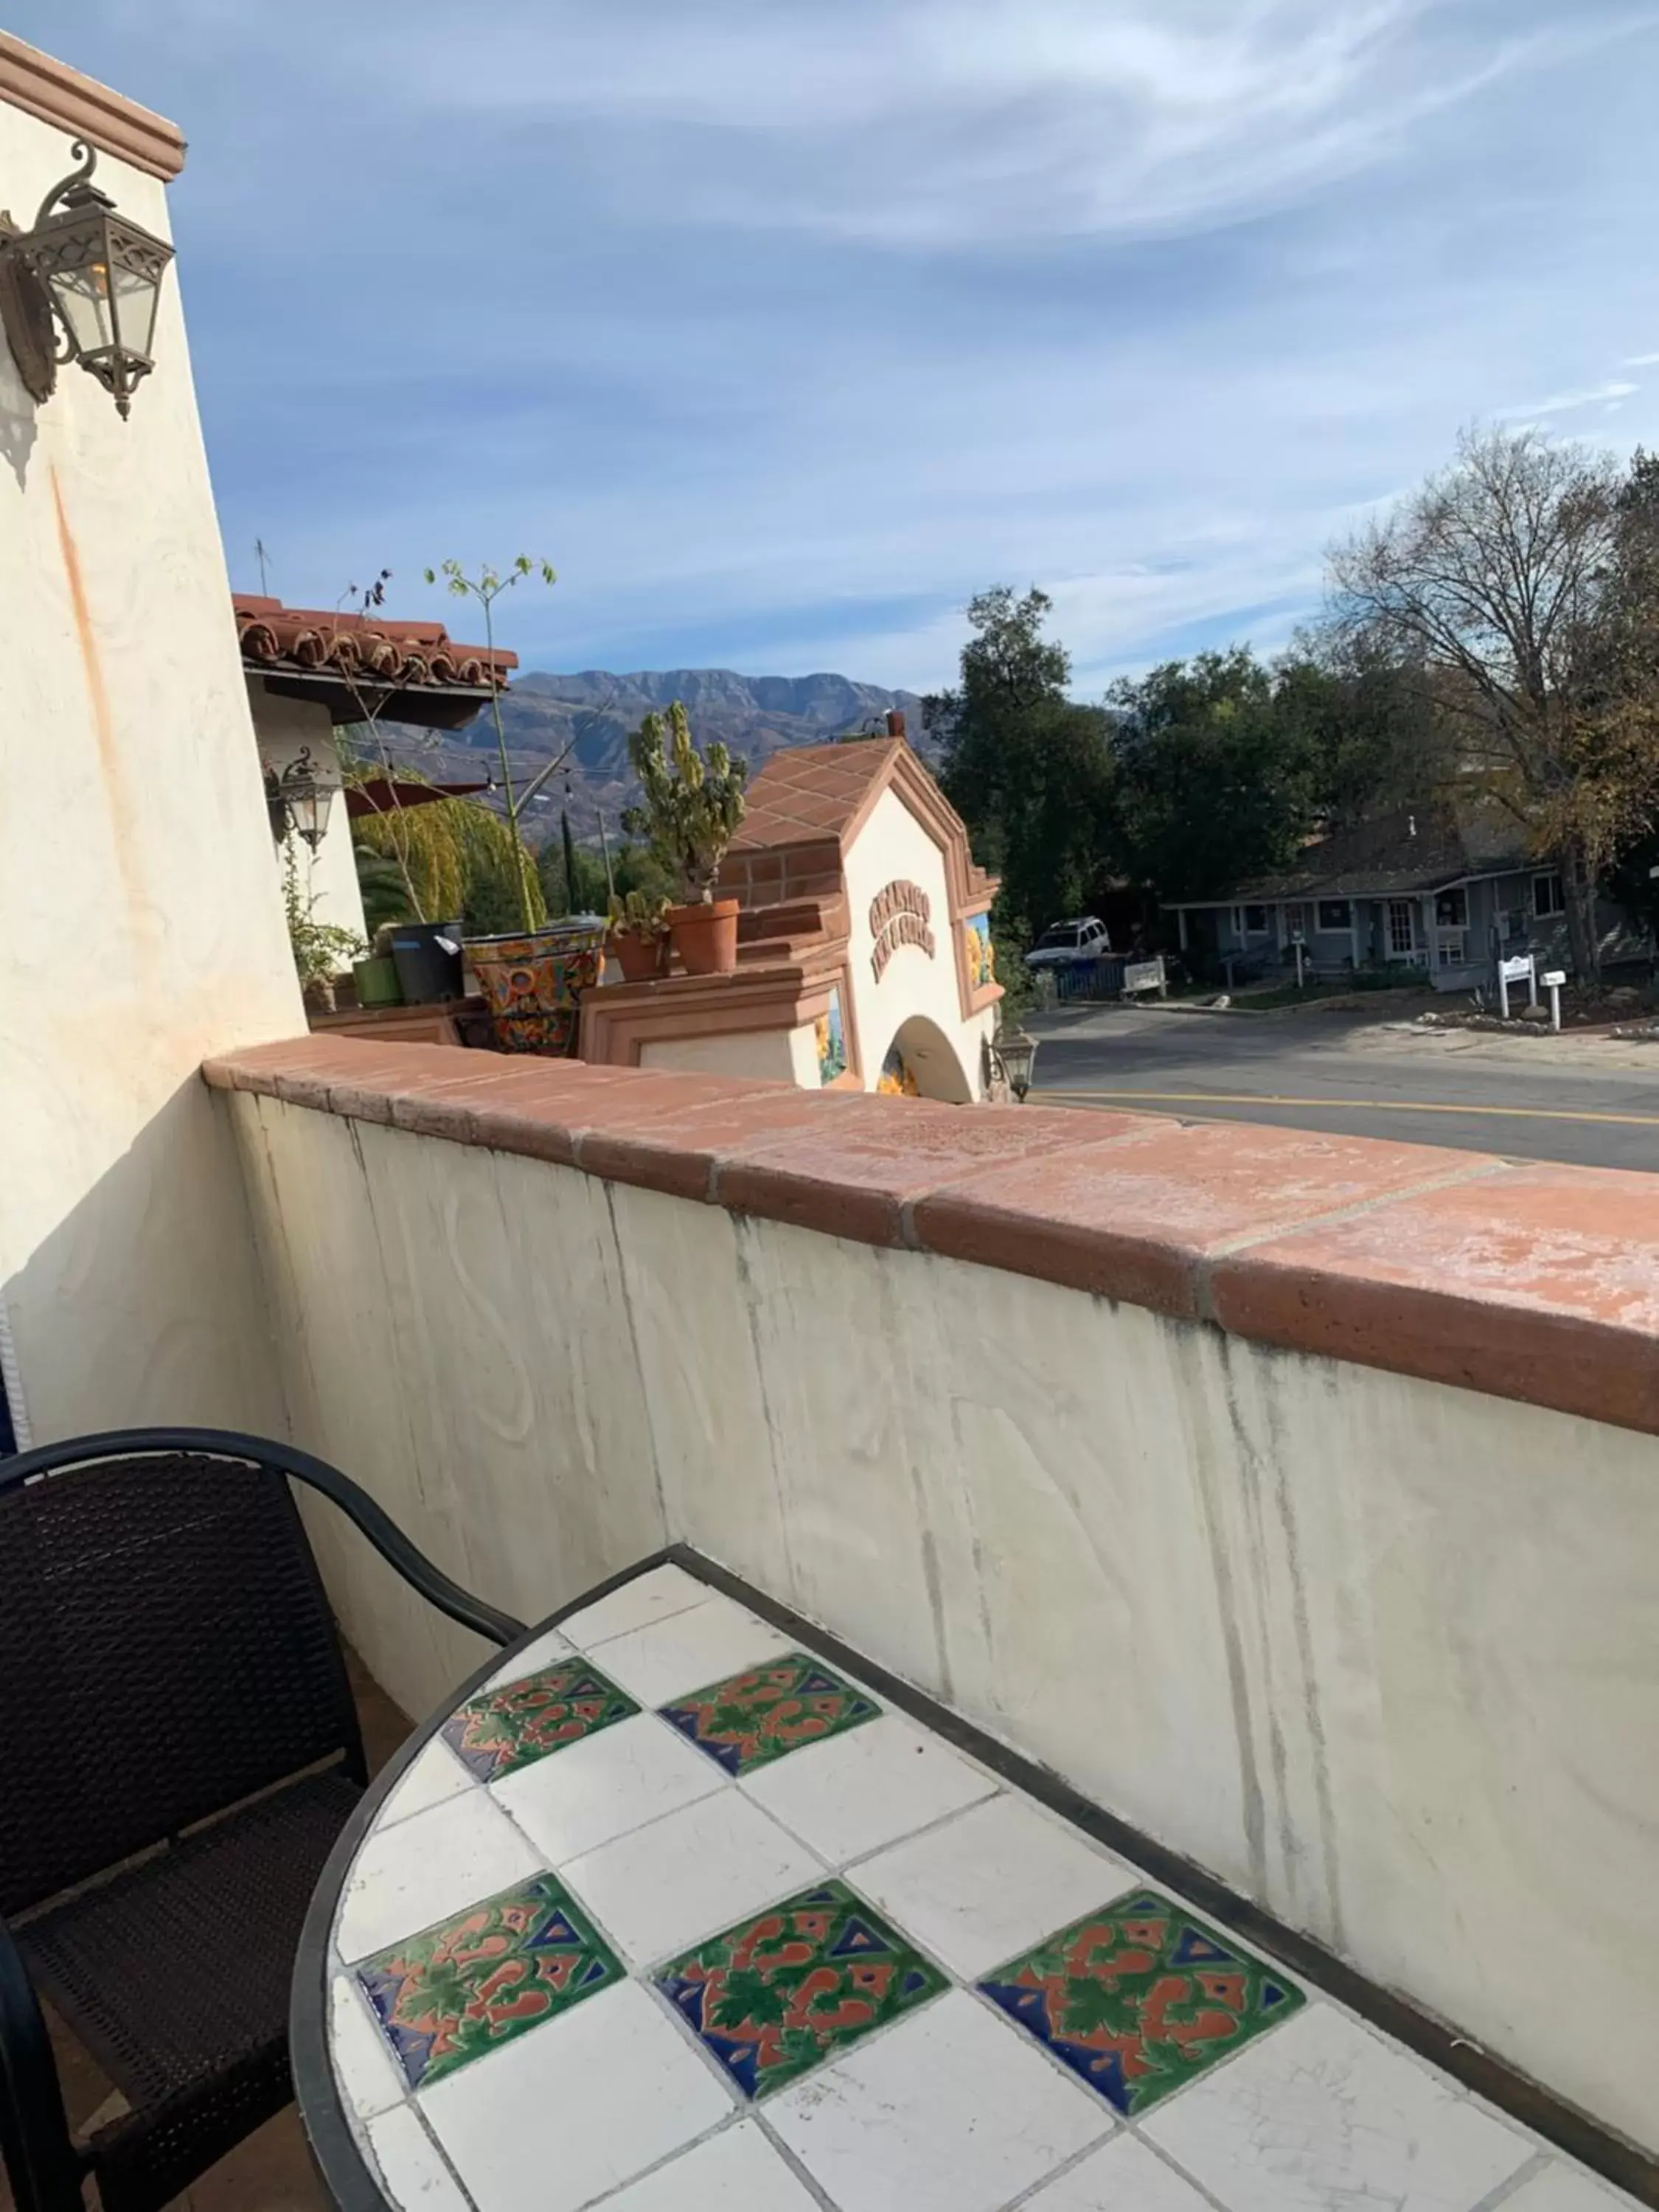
1593,1101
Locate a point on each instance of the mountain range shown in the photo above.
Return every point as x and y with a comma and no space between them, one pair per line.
588,718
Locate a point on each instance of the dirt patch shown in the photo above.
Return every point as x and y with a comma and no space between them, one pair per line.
1620,1011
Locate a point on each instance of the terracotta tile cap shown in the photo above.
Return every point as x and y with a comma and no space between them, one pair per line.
1542,1286
857,1173
1136,1217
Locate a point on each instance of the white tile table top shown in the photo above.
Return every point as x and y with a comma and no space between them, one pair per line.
982,1887
547,1650
418,1871
1122,2176
1323,2114
689,1650
665,1886
644,1848
951,2110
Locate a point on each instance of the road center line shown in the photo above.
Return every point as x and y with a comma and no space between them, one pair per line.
1337,1105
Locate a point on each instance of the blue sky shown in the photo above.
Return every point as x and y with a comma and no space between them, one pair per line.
782,328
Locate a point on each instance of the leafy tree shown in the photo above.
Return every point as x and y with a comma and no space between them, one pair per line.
583,891
1028,770
1216,770
1521,579
459,860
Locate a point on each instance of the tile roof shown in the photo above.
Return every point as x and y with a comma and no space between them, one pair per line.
810,794
1411,849
380,649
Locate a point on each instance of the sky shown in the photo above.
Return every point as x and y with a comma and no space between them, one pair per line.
781,330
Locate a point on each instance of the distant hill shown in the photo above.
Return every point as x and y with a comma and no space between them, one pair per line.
594,713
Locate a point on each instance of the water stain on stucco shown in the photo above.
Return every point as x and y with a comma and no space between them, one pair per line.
123,828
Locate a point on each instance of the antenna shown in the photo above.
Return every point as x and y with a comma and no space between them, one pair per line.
259,555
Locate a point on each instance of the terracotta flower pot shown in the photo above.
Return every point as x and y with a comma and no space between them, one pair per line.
642,959
705,936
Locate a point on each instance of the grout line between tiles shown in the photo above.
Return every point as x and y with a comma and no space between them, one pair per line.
1506,2189
1058,2172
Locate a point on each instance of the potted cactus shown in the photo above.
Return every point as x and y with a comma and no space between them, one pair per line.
638,934
693,805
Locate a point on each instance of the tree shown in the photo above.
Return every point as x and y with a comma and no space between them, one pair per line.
1027,769
1217,777
1515,578
459,860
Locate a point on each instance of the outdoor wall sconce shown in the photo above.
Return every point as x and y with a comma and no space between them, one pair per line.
1014,1053
299,800
87,273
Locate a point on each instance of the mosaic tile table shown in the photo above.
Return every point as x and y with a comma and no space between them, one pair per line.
674,1916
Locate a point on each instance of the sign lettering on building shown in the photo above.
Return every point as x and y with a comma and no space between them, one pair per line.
899,916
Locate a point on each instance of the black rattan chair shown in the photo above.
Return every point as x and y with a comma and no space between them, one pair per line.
179,1751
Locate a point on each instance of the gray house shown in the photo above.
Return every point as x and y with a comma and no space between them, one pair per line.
1437,889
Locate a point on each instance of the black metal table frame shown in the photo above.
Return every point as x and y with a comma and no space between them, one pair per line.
351,2184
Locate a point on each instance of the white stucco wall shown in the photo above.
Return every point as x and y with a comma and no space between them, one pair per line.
765,1054
892,846
1378,1652
283,728
141,928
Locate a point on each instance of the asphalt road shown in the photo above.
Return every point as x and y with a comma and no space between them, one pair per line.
1593,1101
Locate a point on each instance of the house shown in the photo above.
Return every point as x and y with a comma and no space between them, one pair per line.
310,672
1442,889
864,946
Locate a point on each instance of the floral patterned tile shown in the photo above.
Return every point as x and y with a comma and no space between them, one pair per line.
504,1728
750,1719
483,1978
1139,1998
803,1980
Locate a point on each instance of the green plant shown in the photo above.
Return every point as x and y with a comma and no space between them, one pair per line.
486,588
320,949
637,914
693,804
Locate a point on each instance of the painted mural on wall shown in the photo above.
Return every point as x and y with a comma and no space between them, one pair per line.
897,1078
832,1040
981,954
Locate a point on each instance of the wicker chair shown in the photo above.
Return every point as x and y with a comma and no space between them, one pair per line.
179,1751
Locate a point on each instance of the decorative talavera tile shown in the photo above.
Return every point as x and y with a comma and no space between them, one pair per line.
1139,1998
448,1996
775,1995
750,1719
502,1730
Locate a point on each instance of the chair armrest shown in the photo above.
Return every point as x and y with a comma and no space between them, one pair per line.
40,2161
381,1530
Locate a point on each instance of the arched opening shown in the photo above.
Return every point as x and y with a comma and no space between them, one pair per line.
923,1063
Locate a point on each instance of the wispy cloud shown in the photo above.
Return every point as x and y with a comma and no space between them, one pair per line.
782,328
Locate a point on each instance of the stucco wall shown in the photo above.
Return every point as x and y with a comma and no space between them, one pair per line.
1377,1650
283,727
892,846
141,928
766,1054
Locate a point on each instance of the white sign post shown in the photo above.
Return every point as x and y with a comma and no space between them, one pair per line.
1521,969
1552,983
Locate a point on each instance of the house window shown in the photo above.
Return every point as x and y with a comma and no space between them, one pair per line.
1549,896
1451,910
1256,921
1401,935
1335,915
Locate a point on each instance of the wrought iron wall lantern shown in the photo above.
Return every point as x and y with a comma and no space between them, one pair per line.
299,800
83,285
1013,1054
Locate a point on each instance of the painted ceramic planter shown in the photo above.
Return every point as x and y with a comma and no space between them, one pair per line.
532,984
705,936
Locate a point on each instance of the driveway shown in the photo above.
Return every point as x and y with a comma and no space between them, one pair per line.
1591,1100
